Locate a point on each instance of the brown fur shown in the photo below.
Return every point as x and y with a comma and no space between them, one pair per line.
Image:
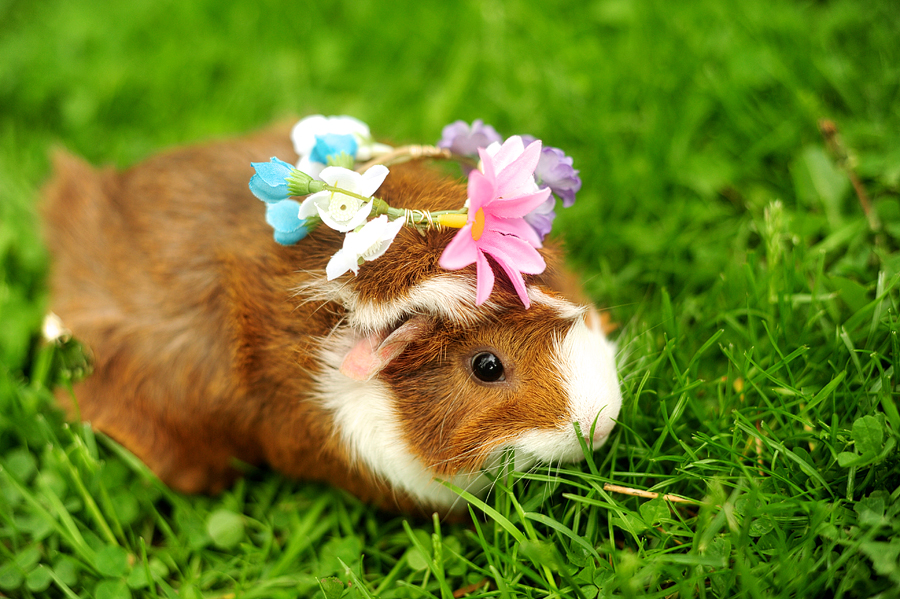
169,273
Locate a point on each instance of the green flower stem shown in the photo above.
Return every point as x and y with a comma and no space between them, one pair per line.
380,207
415,218
421,216
420,219
334,189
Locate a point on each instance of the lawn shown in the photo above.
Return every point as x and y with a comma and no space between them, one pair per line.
740,218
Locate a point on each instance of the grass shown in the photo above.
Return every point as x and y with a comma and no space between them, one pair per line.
758,305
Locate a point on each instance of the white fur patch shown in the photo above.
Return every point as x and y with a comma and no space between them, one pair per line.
564,308
451,296
585,360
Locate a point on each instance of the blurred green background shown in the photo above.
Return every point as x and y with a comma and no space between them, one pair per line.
679,118
709,104
687,121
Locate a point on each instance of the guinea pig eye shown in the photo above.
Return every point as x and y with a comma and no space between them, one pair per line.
487,367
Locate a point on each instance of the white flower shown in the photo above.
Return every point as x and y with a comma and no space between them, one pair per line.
54,329
368,243
340,211
304,137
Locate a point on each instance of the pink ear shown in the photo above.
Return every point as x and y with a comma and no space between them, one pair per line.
372,353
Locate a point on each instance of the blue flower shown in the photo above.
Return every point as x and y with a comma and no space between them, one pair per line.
332,145
270,181
306,134
283,217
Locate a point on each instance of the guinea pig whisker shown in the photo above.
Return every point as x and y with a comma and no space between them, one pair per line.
320,306
335,328
310,289
478,449
459,498
455,399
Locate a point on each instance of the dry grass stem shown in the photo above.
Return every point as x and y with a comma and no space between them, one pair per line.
647,494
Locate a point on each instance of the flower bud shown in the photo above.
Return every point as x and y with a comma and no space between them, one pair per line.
301,184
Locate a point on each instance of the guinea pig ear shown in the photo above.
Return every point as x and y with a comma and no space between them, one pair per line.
372,353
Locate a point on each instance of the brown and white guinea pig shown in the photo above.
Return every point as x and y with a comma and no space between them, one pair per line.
213,344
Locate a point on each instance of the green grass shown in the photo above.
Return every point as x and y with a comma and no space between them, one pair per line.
758,309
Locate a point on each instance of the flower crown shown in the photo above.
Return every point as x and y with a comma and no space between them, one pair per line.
508,212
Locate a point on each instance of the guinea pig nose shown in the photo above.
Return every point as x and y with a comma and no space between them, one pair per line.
602,429
601,433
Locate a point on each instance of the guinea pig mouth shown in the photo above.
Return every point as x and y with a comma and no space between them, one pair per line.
539,447
560,445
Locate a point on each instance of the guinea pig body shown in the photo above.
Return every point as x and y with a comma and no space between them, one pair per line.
212,343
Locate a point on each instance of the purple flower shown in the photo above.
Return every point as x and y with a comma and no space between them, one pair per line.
462,139
541,218
554,170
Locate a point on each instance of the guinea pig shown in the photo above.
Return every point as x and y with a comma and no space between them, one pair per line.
215,346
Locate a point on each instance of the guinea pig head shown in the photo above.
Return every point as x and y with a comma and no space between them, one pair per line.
423,384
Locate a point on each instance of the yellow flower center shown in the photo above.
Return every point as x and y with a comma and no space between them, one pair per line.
478,225
342,208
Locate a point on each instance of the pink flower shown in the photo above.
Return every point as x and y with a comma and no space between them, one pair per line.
500,195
